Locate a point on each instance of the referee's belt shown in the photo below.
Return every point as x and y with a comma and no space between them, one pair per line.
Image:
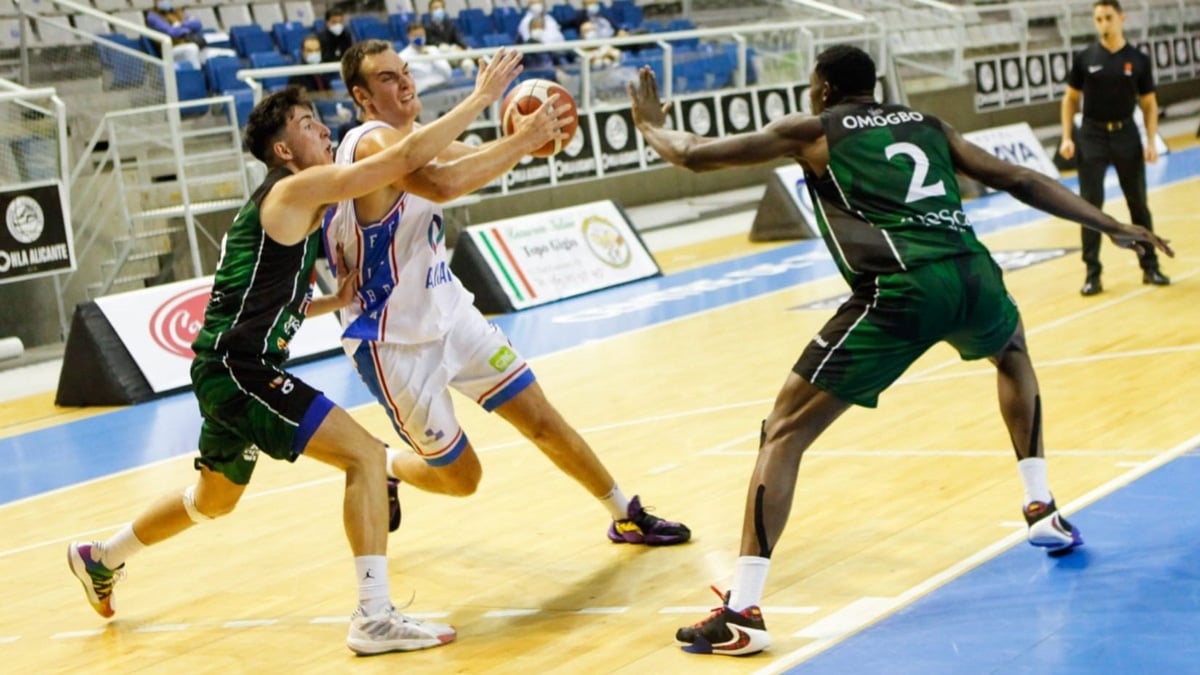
1108,125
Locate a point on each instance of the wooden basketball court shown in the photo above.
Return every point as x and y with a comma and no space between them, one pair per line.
891,502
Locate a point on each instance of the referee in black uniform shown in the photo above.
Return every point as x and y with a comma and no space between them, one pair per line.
1112,77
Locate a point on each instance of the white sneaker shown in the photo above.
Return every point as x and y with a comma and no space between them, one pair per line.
391,631
1049,530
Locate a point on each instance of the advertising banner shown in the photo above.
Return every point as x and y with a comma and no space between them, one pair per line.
36,239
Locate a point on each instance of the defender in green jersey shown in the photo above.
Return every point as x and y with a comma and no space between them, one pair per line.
887,204
249,403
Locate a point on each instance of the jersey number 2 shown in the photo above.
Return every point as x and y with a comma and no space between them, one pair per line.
916,191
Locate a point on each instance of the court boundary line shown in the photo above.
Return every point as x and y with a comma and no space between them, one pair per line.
959,569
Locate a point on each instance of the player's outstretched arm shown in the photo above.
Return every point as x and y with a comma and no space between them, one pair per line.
786,137
291,208
1045,193
444,180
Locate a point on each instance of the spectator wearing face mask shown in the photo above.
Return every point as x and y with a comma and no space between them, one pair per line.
550,30
335,39
426,75
604,56
441,30
310,54
600,18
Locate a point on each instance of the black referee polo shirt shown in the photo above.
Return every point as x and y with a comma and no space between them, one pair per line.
1111,82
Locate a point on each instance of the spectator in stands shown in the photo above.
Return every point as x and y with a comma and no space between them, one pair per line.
187,35
1112,78
335,39
604,56
440,29
600,18
426,75
540,35
310,54
550,33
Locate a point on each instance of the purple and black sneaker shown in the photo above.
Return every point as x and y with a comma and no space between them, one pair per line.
642,528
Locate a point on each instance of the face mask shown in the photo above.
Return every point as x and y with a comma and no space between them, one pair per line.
166,7
439,15
312,58
418,42
537,34
593,10
589,35
336,28
536,9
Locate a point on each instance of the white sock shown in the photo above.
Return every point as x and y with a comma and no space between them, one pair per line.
119,547
749,578
392,453
617,503
1033,475
374,596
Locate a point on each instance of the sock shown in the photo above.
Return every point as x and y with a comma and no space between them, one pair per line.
119,547
617,503
391,455
1033,475
749,578
374,596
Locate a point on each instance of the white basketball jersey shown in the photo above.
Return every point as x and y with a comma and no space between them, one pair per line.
407,294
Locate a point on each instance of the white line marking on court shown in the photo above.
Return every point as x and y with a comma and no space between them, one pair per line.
72,634
985,554
847,619
163,628
250,623
8,639
981,454
504,613
663,469
603,610
331,619
722,448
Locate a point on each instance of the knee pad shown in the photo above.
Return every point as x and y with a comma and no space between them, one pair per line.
189,505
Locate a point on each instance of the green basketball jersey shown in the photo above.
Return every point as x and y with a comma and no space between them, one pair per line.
889,201
262,288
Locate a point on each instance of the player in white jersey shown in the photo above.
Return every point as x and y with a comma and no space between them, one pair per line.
413,332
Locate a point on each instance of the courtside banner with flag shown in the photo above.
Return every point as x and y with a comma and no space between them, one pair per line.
36,237
157,325
543,257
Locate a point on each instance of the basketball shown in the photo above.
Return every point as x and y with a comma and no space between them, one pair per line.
527,97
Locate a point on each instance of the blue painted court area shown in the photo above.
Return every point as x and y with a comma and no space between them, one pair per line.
1127,602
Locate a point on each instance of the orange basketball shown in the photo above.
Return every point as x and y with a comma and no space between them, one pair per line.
527,97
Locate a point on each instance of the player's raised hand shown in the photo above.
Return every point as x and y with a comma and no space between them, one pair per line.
648,110
494,76
546,124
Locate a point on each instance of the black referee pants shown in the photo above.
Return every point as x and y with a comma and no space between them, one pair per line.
1097,149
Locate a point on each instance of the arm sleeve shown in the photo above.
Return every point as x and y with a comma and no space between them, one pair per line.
1075,78
1145,82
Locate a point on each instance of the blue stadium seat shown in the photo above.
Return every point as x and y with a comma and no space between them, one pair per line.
370,28
506,20
398,25
497,40
563,13
221,72
125,69
270,60
249,39
289,37
190,85
243,103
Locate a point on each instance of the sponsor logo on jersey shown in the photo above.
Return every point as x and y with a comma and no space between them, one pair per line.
502,359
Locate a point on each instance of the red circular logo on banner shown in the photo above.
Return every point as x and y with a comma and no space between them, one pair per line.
175,325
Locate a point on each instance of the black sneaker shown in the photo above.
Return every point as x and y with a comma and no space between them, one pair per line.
1091,287
643,528
393,504
726,632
